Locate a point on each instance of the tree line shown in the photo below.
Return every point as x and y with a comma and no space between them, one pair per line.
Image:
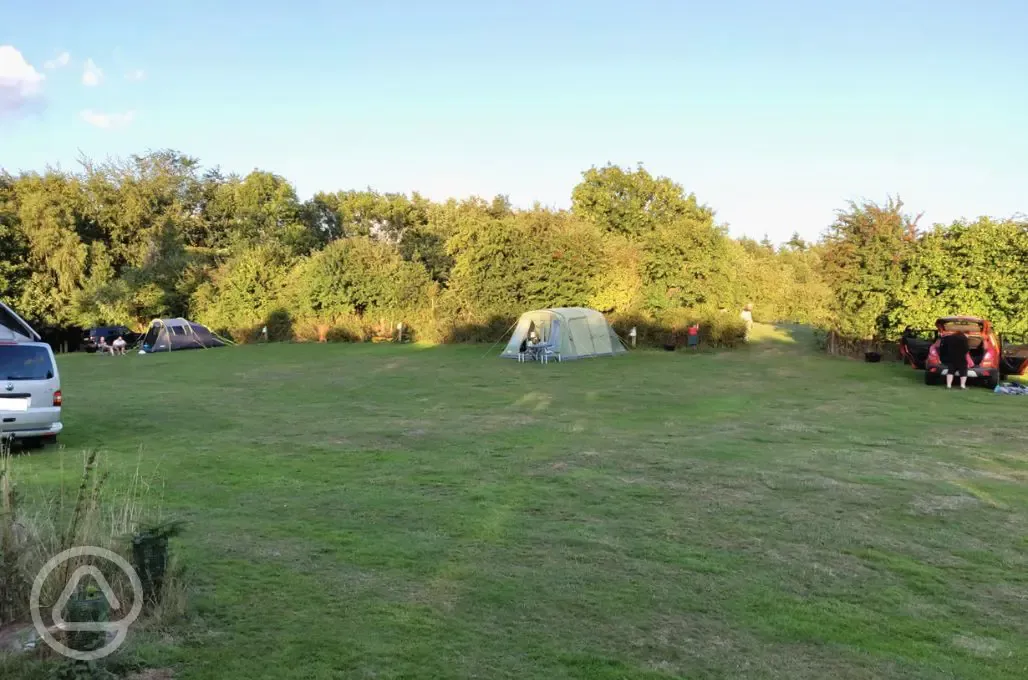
156,235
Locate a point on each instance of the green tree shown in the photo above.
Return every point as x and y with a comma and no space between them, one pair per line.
387,217
796,243
530,259
865,252
244,290
13,248
56,236
686,264
354,276
975,268
265,208
631,202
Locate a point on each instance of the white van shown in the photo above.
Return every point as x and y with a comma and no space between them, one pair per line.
30,391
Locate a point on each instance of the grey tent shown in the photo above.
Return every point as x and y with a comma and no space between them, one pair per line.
168,335
572,332
13,328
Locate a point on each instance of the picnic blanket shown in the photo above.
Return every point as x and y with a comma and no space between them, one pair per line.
1011,388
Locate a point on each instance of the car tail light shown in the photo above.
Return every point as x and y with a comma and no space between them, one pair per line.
58,399
989,360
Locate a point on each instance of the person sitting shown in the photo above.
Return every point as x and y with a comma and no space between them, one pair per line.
101,346
119,345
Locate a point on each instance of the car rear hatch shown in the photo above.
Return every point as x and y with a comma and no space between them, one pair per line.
974,329
28,385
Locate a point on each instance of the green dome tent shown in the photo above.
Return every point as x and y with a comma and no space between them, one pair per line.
572,332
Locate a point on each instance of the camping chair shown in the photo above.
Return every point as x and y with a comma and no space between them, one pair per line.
533,352
545,351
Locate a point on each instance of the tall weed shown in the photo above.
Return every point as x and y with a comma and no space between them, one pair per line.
91,513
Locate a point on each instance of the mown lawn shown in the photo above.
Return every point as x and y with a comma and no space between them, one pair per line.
404,512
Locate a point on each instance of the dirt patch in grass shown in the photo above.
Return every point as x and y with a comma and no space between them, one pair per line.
935,505
152,674
977,644
692,646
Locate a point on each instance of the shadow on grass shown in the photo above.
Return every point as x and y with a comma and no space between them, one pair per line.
783,336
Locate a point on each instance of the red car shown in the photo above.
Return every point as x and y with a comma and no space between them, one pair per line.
985,350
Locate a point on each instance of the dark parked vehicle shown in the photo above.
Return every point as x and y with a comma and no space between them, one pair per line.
109,333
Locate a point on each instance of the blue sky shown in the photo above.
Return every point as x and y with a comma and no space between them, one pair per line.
775,114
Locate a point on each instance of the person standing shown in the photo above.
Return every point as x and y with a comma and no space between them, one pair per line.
694,336
954,351
747,318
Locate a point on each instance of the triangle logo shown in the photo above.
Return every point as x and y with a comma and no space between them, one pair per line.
69,590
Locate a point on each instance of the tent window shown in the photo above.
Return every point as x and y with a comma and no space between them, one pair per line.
178,330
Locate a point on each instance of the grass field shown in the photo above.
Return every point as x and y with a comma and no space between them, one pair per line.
360,511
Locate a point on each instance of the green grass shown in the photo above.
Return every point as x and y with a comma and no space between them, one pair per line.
408,512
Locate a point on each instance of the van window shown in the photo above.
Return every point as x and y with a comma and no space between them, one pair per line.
25,362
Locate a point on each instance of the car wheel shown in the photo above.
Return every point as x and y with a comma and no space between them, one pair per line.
993,382
931,378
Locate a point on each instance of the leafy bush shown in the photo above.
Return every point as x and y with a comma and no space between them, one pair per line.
355,276
156,235
717,329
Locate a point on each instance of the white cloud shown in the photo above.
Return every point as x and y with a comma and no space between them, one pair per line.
92,75
60,61
108,121
19,81
137,74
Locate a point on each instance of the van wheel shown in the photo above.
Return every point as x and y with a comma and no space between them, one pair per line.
931,378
